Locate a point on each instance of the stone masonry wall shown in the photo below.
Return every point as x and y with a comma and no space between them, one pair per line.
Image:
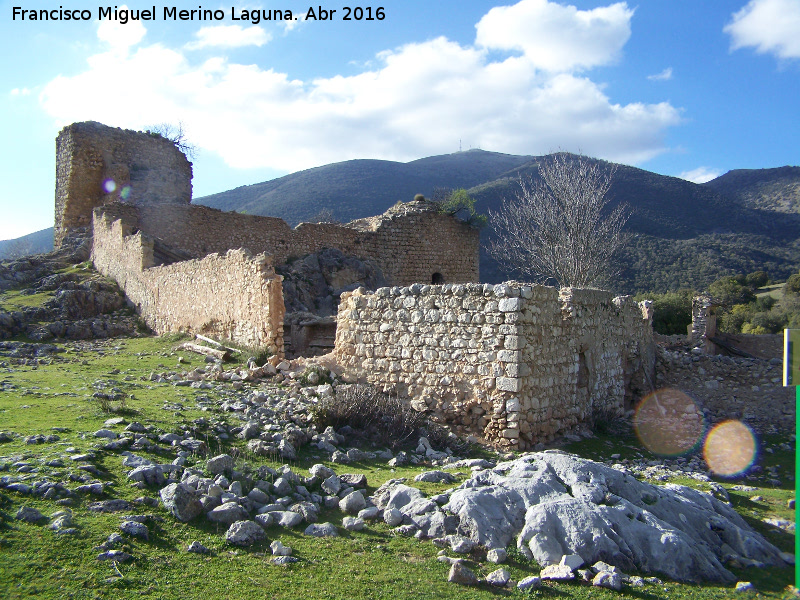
512,364
96,164
410,244
234,296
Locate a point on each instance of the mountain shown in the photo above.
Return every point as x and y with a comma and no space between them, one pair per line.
362,188
685,235
776,190
33,243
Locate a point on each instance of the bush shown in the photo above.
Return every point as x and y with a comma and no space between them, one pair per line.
456,201
734,320
769,322
731,290
366,409
757,279
672,312
792,285
764,303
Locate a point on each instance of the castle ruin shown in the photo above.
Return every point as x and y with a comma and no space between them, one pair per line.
512,364
96,165
517,364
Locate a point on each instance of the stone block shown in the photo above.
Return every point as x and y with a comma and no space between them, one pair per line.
509,356
514,342
510,305
508,384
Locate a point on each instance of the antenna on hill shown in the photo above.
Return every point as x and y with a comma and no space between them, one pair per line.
459,144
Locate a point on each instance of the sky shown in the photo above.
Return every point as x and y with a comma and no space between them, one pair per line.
679,87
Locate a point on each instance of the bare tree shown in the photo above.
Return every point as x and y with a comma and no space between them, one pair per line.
559,228
175,134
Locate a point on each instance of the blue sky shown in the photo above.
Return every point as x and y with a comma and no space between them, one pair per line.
679,87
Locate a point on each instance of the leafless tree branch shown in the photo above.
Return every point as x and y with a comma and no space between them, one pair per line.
559,228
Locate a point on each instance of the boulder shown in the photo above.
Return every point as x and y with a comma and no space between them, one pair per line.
286,518
135,529
556,504
557,573
435,477
244,533
181,501
227,514
352,503
30,515
222,463
462,575
321,530
498,578
607,579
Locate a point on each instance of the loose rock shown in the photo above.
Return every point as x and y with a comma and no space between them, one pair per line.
181,501
462,575
244,533
322,530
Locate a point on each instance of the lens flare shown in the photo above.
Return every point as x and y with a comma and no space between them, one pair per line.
730,448
109,185
668,422
125,192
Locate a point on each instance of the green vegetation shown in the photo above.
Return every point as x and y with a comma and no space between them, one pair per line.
459,201
745,310
374,563
672,312
793,284
748,305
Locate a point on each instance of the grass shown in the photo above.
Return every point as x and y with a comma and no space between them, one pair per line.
16,300
775,291
36,563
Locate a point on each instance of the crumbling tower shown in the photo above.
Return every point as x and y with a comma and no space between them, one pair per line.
96,164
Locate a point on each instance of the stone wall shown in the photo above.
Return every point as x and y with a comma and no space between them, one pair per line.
96,164
233,296
764,346
410,243
730,387
512,364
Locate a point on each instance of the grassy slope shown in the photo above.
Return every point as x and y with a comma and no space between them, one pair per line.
372,564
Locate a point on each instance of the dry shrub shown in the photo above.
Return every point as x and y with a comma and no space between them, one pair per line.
377,415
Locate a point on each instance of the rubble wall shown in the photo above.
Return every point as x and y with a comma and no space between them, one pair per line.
233,296
96,164
409,246
730,387
512,364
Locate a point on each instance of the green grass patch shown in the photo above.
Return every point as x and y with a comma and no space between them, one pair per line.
774,291
372,564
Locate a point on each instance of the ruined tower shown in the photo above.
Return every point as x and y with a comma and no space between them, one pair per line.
96,164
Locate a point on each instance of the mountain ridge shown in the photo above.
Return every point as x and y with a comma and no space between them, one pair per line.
685,235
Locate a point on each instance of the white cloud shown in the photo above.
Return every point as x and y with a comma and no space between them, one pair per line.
229,36
416,100
121,37
555,37
665,75
700,175
20,92
768,26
